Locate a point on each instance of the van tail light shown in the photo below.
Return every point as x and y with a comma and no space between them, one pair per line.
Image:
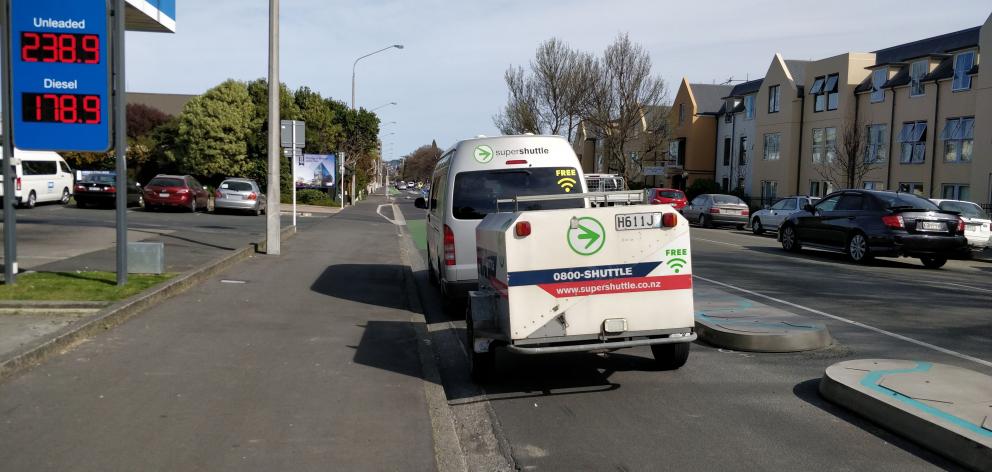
714,210
522,229
252,196
893,222
960,226
18,183
449,246
669,220
515,161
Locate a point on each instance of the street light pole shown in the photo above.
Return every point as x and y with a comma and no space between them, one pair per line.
272,236
354,67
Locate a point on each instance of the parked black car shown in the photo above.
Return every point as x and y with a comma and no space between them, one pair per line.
101,189
867,223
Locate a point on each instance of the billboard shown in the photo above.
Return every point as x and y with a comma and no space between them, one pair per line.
315,171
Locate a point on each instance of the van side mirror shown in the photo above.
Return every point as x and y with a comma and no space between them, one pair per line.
420,203
809,208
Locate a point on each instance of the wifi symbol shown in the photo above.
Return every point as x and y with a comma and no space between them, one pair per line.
676,264
566,183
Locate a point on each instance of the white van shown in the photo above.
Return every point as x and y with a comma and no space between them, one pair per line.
41,176
467,181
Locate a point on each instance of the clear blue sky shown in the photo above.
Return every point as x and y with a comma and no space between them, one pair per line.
448,80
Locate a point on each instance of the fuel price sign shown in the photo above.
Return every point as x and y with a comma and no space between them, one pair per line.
61,75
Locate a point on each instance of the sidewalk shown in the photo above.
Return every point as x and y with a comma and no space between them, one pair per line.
306,361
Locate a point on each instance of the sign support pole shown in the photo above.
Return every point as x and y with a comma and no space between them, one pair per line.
120,140
9,218
272,241
294,174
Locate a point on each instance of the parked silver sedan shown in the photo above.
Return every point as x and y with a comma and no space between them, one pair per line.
239,195
770,217
712,209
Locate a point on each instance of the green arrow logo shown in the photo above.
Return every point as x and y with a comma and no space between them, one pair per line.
483,154
585,236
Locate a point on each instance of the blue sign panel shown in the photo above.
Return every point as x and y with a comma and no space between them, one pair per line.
61,75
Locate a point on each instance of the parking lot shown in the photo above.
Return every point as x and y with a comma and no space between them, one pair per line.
759,411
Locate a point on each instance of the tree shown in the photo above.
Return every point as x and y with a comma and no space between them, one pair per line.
142,119
323,133
361,141
848,165
622,90
214,130
419,164
143,123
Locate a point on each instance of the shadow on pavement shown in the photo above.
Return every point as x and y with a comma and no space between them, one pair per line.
808,391
390,346
371,284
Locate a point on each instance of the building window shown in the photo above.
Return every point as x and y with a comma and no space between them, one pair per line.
728,117
915,188
769,190
959,139
955,192
917,70
878,79
727,143
824,145
742,155
749,107
877,149
726,184
831,90
774,97
831,144
914,140
772,146
817,145
740,184
825,94
673,151
819,188
963,62
874,185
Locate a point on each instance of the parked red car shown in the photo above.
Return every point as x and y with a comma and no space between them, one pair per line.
181,191
670,196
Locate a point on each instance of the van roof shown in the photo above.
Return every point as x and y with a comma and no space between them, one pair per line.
537,151
35,155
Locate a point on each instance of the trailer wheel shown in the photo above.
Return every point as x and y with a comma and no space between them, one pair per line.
483,363
670,356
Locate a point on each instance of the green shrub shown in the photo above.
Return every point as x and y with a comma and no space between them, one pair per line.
313,197
701,186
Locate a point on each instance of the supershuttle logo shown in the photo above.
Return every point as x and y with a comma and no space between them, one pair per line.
600,280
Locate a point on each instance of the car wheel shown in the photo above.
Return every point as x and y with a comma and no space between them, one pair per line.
65,196
857,249
31,201
933,262
257,212
670,356
483,363
701,221
756,227
141,201
790,239
192,206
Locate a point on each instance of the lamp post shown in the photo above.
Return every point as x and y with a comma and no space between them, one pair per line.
383,106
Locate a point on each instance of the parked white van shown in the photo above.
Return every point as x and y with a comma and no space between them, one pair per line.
40,176
467,181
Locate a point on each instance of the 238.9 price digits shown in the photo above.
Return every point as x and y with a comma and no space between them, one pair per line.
66,48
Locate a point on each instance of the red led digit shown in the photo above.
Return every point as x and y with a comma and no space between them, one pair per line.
91,106
67,48
52,47
29,45
37,107
55,104
91,45
68,112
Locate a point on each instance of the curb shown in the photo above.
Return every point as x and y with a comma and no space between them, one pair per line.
51,305
119,312
940,407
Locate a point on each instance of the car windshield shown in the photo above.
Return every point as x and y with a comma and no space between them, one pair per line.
475,193
162,182
906,200
670,194
966,209
236,186
727,200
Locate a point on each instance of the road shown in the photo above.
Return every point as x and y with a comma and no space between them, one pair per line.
734,410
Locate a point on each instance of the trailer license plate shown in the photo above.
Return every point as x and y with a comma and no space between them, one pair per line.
638,221
931,226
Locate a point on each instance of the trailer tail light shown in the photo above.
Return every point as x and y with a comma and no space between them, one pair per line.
960,226
893,222
18,183
522,229
669,220
449,246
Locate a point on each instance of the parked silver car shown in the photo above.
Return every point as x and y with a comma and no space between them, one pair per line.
712,209
770,217
977,224
239,195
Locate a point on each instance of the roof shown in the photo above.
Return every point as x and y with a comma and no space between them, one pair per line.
942,44
797,70
709,97
745,88
169,103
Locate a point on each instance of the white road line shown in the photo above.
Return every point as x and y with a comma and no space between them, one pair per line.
397,219
719,242
969,287
852,322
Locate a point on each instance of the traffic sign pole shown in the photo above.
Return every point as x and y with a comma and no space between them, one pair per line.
120,140
9,219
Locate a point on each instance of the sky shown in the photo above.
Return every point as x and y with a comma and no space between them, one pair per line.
447,81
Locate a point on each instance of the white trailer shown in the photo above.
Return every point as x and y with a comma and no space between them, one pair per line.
582,279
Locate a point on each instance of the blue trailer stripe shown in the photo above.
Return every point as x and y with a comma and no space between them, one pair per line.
577,274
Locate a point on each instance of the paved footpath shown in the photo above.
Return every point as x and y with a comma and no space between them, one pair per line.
310,364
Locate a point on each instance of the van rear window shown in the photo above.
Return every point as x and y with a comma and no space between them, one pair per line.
475,193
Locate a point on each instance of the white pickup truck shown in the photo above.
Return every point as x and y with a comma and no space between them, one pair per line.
582,279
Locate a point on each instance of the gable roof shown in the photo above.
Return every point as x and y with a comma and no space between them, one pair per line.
745,88
797,70
709,97
942,44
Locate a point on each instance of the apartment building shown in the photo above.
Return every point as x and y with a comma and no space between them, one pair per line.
692,145
736,135
779,121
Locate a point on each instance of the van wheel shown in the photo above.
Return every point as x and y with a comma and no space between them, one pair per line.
31,201
431,273
65,196
670,356
483,363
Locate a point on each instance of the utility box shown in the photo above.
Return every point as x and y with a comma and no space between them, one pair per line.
145,258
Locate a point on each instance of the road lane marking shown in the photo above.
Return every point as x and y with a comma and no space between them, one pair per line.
719,242
397,219
852,322
969,287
